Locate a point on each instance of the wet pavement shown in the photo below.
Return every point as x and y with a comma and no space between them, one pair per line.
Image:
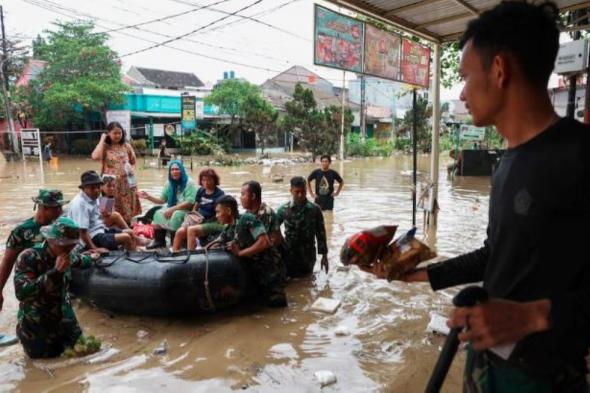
257,349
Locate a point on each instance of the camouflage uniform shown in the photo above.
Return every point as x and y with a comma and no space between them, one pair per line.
267,216
46,321
27,234
267,267
303,225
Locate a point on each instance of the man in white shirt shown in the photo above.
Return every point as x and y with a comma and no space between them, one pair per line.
84,211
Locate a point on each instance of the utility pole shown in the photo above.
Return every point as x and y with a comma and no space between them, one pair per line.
6,87
4,51
363,109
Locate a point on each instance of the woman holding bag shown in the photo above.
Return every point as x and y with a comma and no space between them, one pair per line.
118,159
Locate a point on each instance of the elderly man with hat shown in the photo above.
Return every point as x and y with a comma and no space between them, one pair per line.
49,204
84,211
47,324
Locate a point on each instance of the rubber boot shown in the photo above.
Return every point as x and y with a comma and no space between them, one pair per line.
159,239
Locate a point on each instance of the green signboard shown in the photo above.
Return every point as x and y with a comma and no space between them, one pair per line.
472,133
188,116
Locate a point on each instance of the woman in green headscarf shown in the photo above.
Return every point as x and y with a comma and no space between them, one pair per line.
179,195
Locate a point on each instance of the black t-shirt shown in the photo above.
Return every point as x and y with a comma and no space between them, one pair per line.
324,181
535,249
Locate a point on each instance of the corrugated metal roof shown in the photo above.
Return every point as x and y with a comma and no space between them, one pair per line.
436,20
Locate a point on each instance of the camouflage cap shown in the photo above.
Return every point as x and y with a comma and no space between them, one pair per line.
50,197
63,231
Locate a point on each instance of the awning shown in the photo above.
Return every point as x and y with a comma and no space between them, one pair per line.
434,20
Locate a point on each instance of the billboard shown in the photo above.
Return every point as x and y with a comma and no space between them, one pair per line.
382,53
415,63
338,40
188,115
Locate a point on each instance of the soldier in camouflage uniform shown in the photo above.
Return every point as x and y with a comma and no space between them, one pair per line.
304,223
49,204
251,200
247,238
46,321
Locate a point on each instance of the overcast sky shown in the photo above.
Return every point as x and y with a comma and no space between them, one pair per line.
258,51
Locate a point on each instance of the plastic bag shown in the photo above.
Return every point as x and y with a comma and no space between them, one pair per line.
364,248
192,218
143,230
404,254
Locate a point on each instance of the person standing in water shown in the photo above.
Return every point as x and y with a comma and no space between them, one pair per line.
324,178
117,158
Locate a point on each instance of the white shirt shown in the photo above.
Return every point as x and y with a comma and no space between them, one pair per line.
84,212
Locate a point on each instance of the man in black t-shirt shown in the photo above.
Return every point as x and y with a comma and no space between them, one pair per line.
324,178
533,333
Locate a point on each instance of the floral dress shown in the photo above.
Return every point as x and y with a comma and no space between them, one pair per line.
113,163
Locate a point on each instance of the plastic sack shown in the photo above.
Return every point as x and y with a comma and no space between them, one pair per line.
143,230
364,248
404,254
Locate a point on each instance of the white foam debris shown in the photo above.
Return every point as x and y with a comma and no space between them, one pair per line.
342,331
326,305
438,324
325,377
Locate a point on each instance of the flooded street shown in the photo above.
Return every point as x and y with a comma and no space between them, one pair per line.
258,349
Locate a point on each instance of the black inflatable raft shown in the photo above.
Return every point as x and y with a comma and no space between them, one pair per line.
149,283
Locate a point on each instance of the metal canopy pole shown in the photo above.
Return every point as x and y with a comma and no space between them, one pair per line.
341,152
435,153
415,154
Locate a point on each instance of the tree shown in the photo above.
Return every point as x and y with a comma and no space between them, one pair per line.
82,76
247,108
17,55
424,112
449,64
38,44
317,131
261,118
230,97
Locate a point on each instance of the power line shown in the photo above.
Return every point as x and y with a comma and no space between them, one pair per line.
36,3
191,32
250,19
164,17
118,31
252,66
262,13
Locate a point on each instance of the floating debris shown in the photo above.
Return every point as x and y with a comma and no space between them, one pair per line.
326,305
162,348
325,377
438,324
342,331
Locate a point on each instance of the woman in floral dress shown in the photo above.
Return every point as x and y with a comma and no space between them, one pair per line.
118,159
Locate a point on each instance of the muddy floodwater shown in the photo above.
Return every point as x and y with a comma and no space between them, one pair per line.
257,349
